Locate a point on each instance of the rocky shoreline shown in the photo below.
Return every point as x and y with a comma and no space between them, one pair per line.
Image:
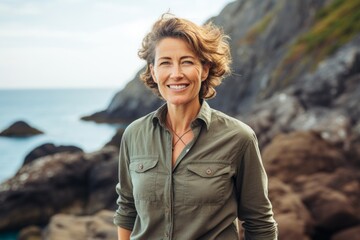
313,185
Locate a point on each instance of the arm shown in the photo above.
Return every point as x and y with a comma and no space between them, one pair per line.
126,213
254,207
123,234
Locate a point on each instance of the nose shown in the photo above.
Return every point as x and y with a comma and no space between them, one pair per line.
176,72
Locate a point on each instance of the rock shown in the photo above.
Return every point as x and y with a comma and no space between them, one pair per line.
132,102
334,126
268,119
30,233
102,179
49,149
49,185
350,233
353,150
300,153
20,129
327,83
331,209
349,99
99,226
332,198
294,220
260,34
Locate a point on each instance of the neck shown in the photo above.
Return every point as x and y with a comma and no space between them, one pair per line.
180,117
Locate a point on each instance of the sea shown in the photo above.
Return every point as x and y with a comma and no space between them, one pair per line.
57,113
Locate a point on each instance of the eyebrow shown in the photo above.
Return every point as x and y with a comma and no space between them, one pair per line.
169,58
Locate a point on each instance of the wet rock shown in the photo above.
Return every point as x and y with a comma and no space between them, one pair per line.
20,129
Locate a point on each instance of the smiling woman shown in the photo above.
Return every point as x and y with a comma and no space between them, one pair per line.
197,169
178,72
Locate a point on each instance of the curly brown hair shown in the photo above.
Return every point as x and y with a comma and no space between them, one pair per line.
208,42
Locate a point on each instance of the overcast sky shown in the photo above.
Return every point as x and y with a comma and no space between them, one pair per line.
82,43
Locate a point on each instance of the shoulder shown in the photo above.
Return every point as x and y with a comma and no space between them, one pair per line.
226,123
139,126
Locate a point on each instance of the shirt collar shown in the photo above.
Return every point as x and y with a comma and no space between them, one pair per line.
204,115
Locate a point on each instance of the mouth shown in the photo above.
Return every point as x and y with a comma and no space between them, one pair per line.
177,86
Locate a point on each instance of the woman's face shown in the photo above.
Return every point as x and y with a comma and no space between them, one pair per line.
178,72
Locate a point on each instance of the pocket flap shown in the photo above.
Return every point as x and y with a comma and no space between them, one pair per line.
209,170
143,165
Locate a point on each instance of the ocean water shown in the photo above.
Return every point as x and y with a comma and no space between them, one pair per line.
56,112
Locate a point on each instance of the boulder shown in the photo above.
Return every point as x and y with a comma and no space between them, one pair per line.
334,126
268,119
49,185
332,198
300,153
20,129
331,209
293,218
102,179
49,149
65,226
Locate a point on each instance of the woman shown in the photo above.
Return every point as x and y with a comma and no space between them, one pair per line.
187,171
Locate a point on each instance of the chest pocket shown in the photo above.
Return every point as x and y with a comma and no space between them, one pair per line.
207,183
143,173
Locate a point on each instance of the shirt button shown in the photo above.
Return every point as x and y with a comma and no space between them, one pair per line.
140,166
208,171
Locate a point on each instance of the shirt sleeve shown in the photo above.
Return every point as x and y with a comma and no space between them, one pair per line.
254,207
126,213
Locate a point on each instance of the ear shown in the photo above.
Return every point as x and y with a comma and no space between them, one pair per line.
152,72
205,71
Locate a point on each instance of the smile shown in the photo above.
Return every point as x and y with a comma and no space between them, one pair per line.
178,87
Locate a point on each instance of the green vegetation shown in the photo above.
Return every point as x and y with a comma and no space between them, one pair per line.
259,27
334,26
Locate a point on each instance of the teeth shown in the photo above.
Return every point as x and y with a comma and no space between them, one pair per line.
177,86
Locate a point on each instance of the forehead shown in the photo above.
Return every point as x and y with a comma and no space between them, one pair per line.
172,47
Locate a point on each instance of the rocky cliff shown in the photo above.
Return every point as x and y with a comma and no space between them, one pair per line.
274,45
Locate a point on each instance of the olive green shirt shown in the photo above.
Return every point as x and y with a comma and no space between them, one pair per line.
218,177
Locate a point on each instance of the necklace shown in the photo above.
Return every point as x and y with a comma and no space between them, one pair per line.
179,137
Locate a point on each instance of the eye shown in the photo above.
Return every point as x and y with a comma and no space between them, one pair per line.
164,63
188,62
